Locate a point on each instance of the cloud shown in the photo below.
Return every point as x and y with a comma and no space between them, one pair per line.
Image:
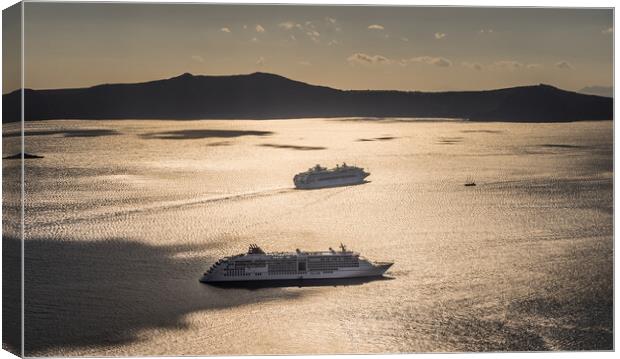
376,27
333,43
313,35
293,38
564,65
254,39
472,65
245,27
198,58
437,61
225,29
404,39
260,61
308,28
440,35
332,24
287,25
259,28
365,59
304,63
510,65
607,31
486,31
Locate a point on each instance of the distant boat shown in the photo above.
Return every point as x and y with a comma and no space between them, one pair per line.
320,177
469,182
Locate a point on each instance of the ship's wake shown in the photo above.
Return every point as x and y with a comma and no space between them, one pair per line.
177,204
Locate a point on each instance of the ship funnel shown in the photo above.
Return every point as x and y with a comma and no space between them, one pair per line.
255,249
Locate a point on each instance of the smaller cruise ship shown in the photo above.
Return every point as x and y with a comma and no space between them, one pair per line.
256,265
320,177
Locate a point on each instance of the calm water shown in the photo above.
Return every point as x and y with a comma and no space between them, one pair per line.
124,216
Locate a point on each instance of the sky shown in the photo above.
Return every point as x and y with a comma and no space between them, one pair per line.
347,47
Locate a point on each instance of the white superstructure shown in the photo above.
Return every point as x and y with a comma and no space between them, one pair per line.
256,265
319,177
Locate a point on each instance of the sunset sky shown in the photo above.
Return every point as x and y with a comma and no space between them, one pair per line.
404,48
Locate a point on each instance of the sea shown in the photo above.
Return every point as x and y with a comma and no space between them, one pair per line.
122,217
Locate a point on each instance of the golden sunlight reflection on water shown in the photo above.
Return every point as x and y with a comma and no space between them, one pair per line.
121,224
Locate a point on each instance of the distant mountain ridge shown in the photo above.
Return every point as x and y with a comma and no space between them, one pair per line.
264,96
605,91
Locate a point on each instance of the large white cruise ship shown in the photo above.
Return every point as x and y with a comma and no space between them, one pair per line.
256,265
319,177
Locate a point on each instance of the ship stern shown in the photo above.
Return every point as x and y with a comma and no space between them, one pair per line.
207,277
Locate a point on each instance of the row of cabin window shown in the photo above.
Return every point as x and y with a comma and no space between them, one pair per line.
342,264
271,269
335,177
333,259
236,275
246,264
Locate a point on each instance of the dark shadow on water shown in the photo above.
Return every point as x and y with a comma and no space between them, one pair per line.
11,288
66,133
556,145
293,147
561,148
481,131
219,144
254,285
200,134
449,140
383,138
591,322
568,307
85,294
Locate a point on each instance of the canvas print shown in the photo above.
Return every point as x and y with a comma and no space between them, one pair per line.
230,179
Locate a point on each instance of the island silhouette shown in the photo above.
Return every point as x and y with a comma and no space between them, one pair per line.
269,96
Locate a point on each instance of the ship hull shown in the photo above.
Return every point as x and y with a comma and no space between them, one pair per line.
298,282
335,182
341,274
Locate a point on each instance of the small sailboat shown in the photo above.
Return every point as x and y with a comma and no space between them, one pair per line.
469,182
